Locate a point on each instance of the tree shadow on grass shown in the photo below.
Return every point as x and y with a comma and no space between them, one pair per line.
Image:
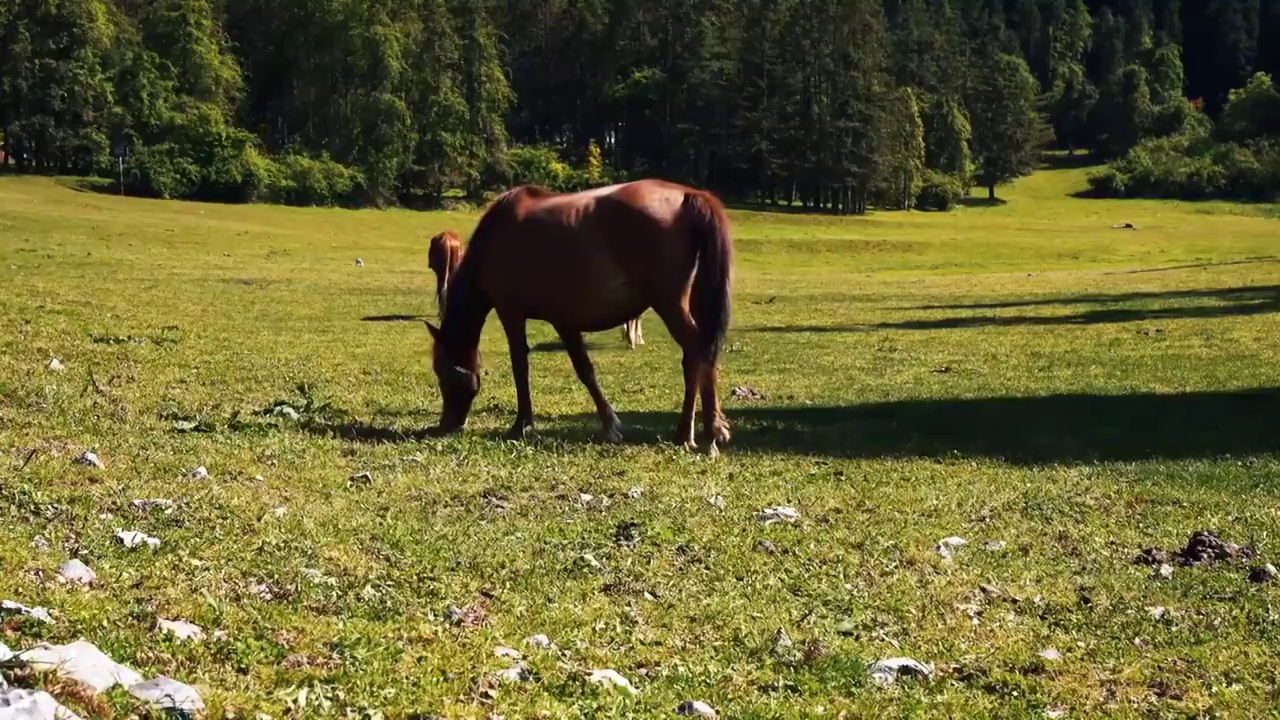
1234,302
393,318
982,202
1020,430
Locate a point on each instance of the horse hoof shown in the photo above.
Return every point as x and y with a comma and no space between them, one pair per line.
520,432
720,435
612,436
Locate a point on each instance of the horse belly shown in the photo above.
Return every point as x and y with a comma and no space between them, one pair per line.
599,295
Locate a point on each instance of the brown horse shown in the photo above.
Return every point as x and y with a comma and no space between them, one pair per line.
587,262
443,257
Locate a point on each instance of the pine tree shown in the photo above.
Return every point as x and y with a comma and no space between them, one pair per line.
486,93
1002,109
946,136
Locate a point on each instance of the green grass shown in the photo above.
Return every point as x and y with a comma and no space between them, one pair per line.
1098,398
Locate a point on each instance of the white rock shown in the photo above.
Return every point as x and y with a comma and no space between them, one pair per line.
77,573
89,458
200,473
23,704
1051,655
887,672
168,694
5,652
515,673
9,607
39,543
506,652
696,708
1157,612
781,513
153,504
611,678
994,545
258,478
585,499
716,501
541,642
635,493
1165,571
1055,714
80,661
946,545
589,560
56,365
134,539
280,511
180,629
359,262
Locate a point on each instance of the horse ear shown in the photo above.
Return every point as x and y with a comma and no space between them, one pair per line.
435,331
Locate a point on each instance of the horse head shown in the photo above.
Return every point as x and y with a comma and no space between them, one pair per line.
458,372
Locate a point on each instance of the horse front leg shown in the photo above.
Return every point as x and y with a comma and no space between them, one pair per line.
610,425
518,345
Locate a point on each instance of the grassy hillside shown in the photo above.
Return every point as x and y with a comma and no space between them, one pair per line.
1020,372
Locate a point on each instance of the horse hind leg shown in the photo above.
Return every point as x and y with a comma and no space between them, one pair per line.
610,425
685,332
714,423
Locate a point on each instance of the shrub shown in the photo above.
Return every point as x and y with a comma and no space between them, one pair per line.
315,181
538,165
939,192
162,171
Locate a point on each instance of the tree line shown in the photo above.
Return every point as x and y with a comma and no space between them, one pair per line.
835,105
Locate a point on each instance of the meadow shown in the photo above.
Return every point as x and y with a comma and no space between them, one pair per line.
1059,392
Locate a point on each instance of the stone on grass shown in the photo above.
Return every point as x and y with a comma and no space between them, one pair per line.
56,365
180,629
506,652
89,458
635,492
1164,572
716,501
135,539
1263,574
946,545
515,673
76,572
696,708
611,679
24,704
5,652
994,545
9,607
1051,655
778,514
1157,612
889,671
588,560
359,262
39,543
153,504
361,477
542,642
168,694
200,473
83,662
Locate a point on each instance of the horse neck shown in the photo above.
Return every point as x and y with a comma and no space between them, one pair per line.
466,308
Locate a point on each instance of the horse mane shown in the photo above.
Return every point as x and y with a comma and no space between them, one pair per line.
463,297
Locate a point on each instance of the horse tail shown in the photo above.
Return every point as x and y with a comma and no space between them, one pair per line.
712,280
443,257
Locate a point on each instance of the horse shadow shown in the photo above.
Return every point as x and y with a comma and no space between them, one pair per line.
1037,430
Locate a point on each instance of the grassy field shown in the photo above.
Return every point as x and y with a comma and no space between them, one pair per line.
1020,373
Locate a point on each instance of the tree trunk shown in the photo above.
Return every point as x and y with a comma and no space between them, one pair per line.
991,192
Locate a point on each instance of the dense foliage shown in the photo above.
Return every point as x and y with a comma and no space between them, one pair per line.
1240,159
832,104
